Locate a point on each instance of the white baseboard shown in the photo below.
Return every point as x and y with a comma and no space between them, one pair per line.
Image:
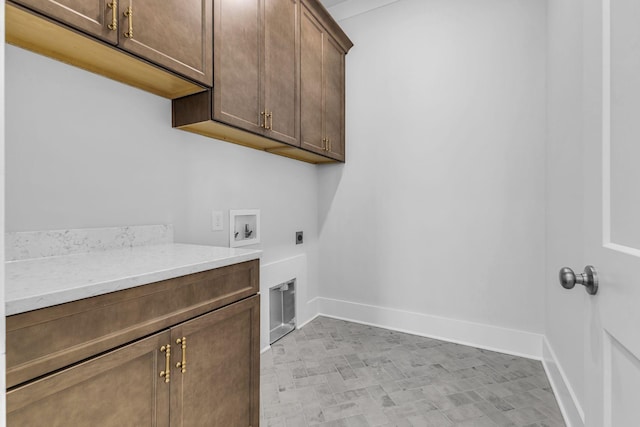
494,338
566,397
312,310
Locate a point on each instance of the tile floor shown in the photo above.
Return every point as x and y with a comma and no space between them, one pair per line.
336,373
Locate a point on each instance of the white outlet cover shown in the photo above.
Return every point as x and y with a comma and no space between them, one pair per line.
217,221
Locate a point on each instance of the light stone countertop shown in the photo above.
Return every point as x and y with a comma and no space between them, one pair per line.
43,282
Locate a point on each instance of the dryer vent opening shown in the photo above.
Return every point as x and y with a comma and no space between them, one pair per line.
282,310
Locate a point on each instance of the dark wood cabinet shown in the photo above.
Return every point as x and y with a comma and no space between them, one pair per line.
281,86
311,83
121,388
255,62
96,17
161,47
278,80
237,83
175,34
334,94
322,63
220,384
181,352
267,74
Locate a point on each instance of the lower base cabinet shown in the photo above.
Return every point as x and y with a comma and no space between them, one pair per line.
120,388
202,372
220,386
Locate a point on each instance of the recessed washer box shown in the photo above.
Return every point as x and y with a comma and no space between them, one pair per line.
282,310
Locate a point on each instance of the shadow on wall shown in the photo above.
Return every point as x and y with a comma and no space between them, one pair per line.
329,178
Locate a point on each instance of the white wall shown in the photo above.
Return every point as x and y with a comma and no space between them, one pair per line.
564,309
439,209
85,151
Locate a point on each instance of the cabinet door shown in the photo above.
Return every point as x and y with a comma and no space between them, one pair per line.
175,34
220,385
333,70
120,388
237,87
311,102
281,74
90,16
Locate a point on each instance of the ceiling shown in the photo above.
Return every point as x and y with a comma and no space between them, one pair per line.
329,3
343,9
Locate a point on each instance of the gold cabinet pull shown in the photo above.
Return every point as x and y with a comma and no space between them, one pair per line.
114,15
167,372
266,115
324,144
129,14
182,365
328,144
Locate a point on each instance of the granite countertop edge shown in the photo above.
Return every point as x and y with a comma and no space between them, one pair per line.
33,284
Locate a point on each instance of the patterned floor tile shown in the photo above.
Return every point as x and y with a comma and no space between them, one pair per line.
340,374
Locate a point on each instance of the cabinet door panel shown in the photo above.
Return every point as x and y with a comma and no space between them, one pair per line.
90,16
311,83
120,388
334,98
281,87
221,384
237,63
175,34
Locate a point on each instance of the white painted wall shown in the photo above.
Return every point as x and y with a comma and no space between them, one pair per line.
564,309
85,151
439,209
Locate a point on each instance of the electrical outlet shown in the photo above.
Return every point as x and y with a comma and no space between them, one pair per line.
299,238
217,221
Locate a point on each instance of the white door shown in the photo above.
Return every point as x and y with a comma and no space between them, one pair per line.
612,211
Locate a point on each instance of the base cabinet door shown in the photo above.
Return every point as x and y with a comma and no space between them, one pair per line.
96,17
175,34
219,385
120,388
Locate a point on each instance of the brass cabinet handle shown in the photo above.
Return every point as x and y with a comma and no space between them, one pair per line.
167,372
265,120
114,15
182,365
129,14
329,144
324,144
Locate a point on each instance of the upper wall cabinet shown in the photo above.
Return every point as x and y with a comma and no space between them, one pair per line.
96,17
256,98
322,82
255,63
238,48
268,74
175,34
281,91
161,47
